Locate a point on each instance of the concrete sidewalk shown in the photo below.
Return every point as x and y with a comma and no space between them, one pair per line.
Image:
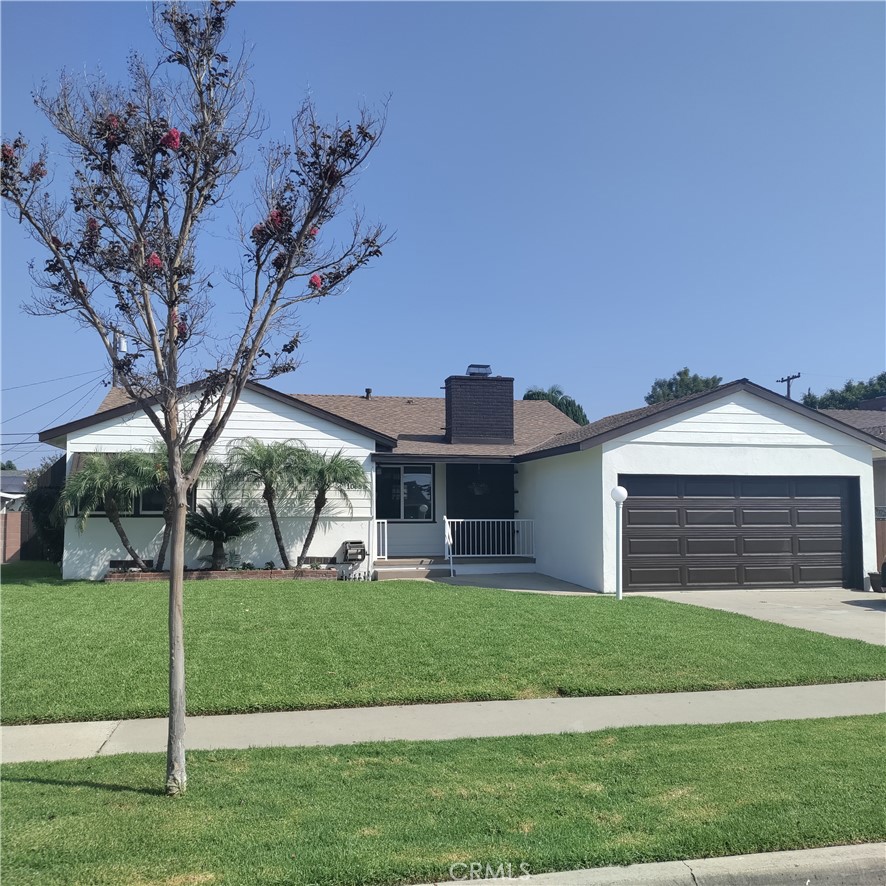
863,865
65,741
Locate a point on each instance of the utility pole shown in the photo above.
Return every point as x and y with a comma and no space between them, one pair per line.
788,379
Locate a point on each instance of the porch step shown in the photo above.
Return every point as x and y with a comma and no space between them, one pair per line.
388,574
411,567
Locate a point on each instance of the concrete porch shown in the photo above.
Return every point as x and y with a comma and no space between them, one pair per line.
437,567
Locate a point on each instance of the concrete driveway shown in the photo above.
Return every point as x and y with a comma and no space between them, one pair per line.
859,615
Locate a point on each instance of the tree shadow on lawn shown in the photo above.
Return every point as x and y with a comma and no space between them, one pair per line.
31,572
102,786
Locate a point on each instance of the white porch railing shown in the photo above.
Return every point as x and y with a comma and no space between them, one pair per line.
381,539
488,538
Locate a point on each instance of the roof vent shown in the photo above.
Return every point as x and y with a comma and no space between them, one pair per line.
479,370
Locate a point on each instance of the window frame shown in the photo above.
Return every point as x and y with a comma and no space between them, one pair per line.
432,518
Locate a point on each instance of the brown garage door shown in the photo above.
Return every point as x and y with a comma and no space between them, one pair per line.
727,532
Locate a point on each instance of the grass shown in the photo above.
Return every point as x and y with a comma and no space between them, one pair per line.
88,651
406,811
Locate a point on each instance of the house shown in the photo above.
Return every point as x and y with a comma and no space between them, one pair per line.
871,418
733,487
13,486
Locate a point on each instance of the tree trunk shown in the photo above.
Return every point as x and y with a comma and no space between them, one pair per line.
114,516
168,516
319,504
219,561
272,510
176,774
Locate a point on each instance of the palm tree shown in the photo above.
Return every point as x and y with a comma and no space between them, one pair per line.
559,398
220,525
276,467
158,466
322,474
109,481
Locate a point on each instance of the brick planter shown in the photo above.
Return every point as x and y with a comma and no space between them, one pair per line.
201,574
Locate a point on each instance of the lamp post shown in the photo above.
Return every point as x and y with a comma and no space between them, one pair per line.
619,495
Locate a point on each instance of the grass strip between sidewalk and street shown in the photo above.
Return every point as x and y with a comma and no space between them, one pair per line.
405,812
91,651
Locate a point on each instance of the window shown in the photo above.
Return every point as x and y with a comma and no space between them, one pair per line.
404,492
152,501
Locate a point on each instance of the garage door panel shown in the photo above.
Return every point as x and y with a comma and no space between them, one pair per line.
767,487
818,487
712,575
764,546
639,517
657,547
769,517
701,547
708,487
820,518
826,575
653,577
824,545
737,531
719,517
769,575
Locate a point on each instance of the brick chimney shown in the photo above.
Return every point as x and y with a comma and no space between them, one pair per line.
479,408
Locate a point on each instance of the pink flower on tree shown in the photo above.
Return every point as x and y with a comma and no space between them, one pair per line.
90,238
171,140
260,234
275,219
112,137
8,152
313,232
37,171
315,281
154,263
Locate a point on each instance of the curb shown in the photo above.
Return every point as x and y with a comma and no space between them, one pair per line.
863,865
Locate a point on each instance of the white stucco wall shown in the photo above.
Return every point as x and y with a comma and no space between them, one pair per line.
569,495
562,494
87,554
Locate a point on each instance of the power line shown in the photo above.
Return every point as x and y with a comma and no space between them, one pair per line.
89,393
41,405
50,380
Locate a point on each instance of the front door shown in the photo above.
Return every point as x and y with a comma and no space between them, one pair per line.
480,492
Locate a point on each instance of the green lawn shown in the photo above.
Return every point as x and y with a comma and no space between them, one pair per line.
86,651
405,811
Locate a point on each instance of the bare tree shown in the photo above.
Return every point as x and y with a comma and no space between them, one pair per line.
151,163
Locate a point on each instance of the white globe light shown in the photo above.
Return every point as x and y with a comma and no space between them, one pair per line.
619,493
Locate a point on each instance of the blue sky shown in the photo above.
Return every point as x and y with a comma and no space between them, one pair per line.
587,194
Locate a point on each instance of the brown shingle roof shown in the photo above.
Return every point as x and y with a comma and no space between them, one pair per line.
114,398
418,423
871,420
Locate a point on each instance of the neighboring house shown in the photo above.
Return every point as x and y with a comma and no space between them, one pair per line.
13,534
737,486
871,418
13,487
